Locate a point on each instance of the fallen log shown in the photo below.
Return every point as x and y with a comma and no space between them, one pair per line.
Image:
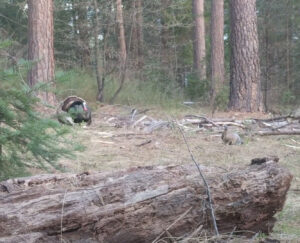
140,204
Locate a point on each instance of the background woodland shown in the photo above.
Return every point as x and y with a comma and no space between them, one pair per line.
159,52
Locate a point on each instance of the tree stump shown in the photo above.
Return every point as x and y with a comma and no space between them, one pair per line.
140,204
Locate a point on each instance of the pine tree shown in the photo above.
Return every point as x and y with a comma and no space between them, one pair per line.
27,140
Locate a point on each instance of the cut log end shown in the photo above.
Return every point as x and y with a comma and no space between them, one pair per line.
140,204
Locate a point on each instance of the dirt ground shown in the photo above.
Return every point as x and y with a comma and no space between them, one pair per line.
111,146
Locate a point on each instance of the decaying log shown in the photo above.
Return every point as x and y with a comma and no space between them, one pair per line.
139,204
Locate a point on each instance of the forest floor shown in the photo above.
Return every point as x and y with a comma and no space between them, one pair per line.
111,147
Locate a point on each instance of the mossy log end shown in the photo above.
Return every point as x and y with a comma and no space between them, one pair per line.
138,204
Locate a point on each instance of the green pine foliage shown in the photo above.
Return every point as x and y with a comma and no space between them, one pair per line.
27,140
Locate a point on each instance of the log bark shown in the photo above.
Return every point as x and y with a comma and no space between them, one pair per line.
139,204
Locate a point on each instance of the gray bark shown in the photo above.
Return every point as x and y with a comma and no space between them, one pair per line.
138,204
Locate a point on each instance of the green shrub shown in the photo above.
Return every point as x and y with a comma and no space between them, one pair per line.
196,89
288,97
155,90
75,82
136,92
222,99
27,140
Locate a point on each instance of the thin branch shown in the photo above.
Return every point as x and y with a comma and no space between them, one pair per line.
205,183
171,225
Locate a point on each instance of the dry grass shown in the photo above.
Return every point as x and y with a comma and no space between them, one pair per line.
106,153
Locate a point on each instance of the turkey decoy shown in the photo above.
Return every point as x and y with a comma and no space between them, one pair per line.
74,110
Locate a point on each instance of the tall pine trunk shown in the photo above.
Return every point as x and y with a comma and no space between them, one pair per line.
140,36
134,37
217,47
121,37
83,42
199,39
137,34
100,80
40,41
164,37
122,48
245,86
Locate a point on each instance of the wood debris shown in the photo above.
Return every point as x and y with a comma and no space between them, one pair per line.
283,125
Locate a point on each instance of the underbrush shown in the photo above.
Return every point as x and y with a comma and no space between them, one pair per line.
134,92
75,82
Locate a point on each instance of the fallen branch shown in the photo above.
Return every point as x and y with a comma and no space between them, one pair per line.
171,225
204,119
231,124
157,125
270,133
279,118
144,143
291,146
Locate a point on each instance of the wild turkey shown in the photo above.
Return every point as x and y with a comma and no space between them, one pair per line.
74,110
231,138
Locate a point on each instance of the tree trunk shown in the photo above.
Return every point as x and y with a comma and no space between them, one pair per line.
83,27
267,57
217,47
245,88
288,44
140,204
199,39
134,37
100,80
40,40
121,37
164,38
137,34
122,51
140,36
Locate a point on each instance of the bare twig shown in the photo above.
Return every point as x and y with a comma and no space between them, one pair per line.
171,225
193,234
133,113
230,124
279,118
291,146
229,237
204,118
157,125
139,120
295,141
144,143
205,183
